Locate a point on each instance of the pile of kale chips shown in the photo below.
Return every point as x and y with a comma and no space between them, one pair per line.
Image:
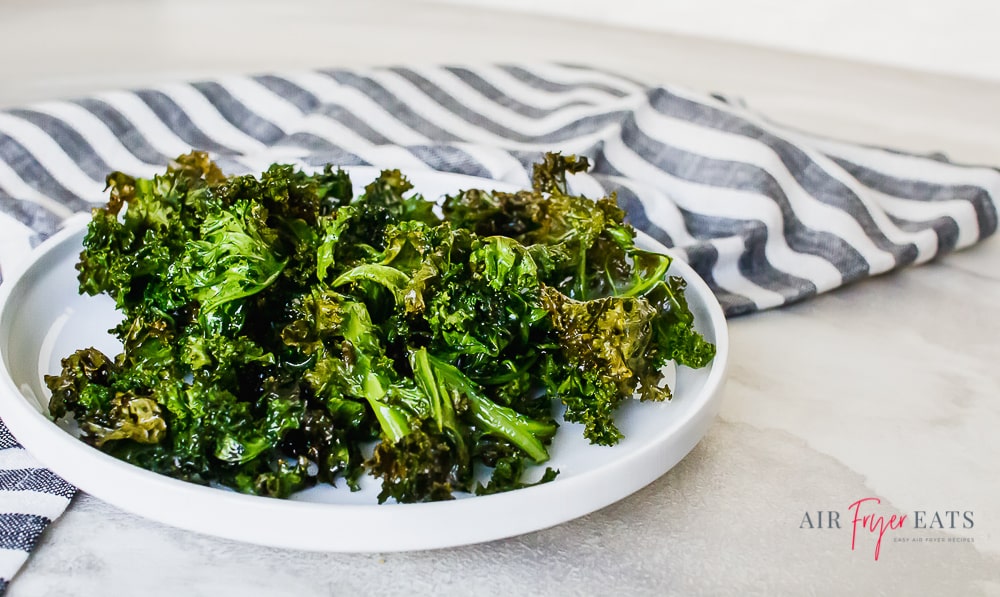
275,328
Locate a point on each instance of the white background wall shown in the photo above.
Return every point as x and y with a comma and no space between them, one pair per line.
959,37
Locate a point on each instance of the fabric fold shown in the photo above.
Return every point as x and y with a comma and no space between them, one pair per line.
766,214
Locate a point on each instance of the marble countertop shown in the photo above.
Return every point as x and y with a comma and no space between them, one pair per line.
888,388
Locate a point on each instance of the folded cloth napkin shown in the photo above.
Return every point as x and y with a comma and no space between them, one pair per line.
766,214
30,498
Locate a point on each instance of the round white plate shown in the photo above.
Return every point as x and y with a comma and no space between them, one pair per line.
43,318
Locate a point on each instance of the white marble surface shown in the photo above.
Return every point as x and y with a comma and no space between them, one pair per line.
887,388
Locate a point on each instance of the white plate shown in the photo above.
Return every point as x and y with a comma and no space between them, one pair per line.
43,318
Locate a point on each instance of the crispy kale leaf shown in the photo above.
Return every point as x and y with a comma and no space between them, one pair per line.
275,327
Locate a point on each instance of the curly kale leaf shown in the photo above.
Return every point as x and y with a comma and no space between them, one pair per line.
232,259
582,247
549,176
433,458
86,387
417,467
447,386
601,358
508,475
676,338
485,309
389,190
275,326
329,440
82,384
384,203
129,256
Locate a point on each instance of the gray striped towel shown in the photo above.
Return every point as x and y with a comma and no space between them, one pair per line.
766,214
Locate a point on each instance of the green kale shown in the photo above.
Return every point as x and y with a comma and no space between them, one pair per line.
275,327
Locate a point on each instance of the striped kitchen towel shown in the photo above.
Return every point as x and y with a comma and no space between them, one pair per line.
30,498
766,214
